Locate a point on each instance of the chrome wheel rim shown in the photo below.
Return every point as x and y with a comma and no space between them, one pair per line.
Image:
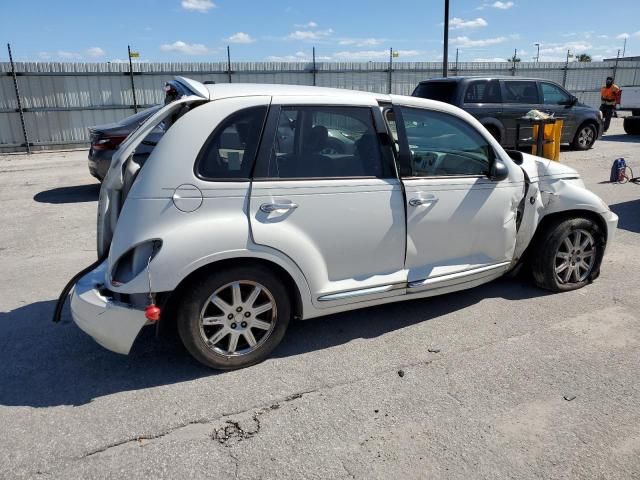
575,257
586,136
238,318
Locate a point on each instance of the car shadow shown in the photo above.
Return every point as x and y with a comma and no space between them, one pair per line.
628,214
75,194
44,364
621,137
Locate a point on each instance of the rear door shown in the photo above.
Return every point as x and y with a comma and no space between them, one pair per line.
518,97
336,210
483,100
558,102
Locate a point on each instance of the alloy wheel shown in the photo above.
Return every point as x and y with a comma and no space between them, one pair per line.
238,318
586,137
575,257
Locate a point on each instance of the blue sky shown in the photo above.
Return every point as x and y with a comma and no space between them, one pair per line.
341,30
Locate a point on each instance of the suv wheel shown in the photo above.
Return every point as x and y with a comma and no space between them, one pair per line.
495,133
234,318
585,137
568,254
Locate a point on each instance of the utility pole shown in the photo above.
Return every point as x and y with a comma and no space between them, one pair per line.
390,69
133,86
538,54
457,52
314,66
615,68
445,53
20,109
624,48
566,68
515,55
229,63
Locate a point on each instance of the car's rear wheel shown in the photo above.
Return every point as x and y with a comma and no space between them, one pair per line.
234,318
495,132
585,137
632,125
567,255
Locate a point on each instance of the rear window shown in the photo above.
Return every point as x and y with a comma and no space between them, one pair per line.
136,119
440,91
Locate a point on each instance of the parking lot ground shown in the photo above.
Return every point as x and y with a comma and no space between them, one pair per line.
501,381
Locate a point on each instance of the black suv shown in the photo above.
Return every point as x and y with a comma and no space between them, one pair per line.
497,102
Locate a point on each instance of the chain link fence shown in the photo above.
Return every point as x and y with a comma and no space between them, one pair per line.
58,101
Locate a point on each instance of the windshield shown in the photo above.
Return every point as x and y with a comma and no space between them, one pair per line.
440,91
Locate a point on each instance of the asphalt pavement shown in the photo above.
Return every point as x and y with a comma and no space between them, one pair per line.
501,381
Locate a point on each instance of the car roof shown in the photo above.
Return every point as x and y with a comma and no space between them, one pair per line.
485,77
227,90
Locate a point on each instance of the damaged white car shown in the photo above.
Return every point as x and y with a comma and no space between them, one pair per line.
266,203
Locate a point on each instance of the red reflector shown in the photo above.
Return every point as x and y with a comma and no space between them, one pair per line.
152,313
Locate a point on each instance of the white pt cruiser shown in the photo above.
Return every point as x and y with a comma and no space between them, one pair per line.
266,203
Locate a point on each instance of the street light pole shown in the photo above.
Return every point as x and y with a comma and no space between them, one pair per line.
445,53
538,54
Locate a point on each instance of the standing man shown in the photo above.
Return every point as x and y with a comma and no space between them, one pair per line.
608,95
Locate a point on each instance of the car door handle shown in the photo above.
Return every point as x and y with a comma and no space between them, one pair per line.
274,207
427,199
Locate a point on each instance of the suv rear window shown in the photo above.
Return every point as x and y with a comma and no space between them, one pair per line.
440,91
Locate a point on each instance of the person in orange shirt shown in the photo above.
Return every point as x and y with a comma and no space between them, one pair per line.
608,95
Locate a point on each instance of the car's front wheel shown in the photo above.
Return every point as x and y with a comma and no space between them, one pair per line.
585,137
567,255
234,318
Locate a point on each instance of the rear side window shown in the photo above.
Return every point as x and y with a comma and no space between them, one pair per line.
325,142
440,91
230,151
520,91
483,91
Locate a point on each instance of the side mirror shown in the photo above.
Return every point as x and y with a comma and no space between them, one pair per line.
573,101
499,171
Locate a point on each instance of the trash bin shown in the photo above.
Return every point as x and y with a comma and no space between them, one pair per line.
552,136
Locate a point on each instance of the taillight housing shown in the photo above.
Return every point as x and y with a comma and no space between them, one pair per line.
108,143
134,261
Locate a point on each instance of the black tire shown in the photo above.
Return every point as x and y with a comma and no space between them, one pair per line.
632,125
585,137
196,301
550,243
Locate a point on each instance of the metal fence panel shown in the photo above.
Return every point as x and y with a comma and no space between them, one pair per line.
62,99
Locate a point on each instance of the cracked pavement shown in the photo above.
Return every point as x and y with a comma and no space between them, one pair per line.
486,372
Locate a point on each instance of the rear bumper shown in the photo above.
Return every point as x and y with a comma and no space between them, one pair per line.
112,324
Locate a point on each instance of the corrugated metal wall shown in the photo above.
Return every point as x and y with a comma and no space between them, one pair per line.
60,100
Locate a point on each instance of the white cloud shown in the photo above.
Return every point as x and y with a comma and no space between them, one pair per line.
623,36
637,34
310,34
372,54
68,55
502,5
456,23
467,42
603,36
186,48
240,37
297,57
95,52
201,6
551,49
306,25
361,42
44,55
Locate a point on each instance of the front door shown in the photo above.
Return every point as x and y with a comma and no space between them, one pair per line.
461,225
326,196
559,103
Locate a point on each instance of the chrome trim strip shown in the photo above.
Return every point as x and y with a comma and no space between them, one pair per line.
357,293
454,276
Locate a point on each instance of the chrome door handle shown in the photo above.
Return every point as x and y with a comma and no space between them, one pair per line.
416,202
274,207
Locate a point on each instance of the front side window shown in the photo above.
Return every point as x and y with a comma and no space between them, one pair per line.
554,95
483,91
230,151
442,145
520,91
325,142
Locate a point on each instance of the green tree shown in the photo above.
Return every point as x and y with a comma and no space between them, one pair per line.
513,59
584,57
